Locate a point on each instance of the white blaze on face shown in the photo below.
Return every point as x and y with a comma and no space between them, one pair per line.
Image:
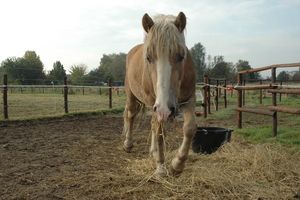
164,70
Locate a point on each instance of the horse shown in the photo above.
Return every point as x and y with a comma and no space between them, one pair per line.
160,74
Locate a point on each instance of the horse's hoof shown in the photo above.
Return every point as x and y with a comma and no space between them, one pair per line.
160,173
174,172
127,149
160,177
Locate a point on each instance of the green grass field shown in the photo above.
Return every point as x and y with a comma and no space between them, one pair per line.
46,102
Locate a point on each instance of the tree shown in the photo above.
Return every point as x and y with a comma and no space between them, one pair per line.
78,72
283,76
93,72
198,56
242,65
232,72
118,67
221,70
33,68
112,66
58,72
13,68
211,63
26,70
296,75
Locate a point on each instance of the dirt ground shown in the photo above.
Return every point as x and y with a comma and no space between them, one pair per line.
82,159
70,159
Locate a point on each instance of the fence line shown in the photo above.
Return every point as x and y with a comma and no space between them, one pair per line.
207,93
65,91
273,88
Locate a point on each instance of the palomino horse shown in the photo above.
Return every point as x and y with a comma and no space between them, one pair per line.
160,74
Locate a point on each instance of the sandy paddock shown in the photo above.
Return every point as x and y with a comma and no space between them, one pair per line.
83,159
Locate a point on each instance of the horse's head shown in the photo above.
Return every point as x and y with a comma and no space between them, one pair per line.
164,53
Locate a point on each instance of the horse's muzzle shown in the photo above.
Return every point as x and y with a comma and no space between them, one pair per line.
166,114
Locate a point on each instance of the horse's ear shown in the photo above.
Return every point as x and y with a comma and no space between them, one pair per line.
180,22
147,22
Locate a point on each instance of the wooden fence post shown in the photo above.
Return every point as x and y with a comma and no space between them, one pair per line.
225,95
231,92
208,95
110,93
5,104
240,99
66,95
244,92
217,95
274,103
260,93
205,97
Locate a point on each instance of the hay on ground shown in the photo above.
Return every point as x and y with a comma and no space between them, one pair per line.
239,170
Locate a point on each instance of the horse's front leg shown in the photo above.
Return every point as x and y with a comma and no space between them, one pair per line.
131,110
189,129
157,146
127,130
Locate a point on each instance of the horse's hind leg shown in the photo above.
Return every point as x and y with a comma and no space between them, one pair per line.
131,110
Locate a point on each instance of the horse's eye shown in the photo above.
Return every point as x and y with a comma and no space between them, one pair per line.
149,59
180,57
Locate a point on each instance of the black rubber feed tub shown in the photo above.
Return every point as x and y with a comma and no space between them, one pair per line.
209,139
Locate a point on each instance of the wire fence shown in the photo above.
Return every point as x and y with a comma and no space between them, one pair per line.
30,101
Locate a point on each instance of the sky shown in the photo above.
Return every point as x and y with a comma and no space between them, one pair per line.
262,32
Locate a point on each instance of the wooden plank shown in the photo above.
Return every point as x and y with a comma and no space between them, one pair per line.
284,110
255,70
284,91
269,67
217,79
256,111
256,87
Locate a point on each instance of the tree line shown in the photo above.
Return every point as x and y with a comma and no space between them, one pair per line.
217,67
29,69
289,76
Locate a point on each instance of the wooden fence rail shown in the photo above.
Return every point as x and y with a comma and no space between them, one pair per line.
272,88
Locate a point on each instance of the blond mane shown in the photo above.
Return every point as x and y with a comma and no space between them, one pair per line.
163,37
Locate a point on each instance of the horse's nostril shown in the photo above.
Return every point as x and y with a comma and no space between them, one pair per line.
174,112
173,109
154,108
